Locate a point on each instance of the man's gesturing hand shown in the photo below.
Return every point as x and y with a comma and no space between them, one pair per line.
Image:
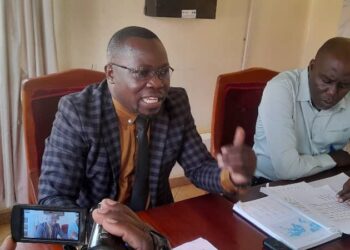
238,159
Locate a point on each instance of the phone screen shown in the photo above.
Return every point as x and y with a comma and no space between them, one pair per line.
35,223
41,224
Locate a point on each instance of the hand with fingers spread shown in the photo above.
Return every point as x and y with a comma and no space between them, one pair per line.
344,194
238,159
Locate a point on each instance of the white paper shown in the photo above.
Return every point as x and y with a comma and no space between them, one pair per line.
198,244
319,203
324,204
300,215
285,224
285,194
335,182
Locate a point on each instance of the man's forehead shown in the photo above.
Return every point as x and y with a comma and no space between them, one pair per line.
333,62
136,48
133,43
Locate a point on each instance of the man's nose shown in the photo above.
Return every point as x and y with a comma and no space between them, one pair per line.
332,89
155,81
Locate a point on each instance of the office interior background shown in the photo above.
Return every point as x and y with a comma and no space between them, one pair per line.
273,34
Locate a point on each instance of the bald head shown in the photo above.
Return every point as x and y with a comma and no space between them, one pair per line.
337,46
329,73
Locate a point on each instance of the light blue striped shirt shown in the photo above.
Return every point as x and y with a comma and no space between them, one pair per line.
292,138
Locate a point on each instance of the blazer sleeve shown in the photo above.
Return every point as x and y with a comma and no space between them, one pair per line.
199,166
63,161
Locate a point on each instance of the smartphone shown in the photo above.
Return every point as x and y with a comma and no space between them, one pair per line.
273,244
46,224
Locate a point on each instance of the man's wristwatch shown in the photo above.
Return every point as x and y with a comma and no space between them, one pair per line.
159,241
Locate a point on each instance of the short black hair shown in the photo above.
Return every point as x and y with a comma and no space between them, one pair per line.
119,37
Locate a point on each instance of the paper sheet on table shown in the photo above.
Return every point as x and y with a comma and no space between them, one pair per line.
285,224
319,203
335,182
198,244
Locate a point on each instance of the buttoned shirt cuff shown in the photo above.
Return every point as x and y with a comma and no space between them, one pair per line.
226,182
326,161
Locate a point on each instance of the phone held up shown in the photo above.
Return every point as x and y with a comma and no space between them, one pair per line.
44,224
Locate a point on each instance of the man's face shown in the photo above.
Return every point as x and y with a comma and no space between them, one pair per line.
52,219
329,80
137,88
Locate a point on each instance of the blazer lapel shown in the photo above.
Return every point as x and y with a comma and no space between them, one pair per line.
110,137
159,130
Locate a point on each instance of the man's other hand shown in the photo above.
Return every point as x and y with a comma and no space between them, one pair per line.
344,194
341,157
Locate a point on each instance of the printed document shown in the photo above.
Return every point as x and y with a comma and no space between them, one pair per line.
301,215
319,203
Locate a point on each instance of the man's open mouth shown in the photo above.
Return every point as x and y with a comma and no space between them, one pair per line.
151,99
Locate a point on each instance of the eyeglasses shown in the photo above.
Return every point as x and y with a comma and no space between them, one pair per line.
163,73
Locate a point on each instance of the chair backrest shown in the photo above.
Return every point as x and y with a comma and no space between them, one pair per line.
236,100
64,228
40,97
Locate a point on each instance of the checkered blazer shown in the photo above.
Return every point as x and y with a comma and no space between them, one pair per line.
81,161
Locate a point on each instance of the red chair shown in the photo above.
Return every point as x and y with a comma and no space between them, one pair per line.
236,100
40,97
64,228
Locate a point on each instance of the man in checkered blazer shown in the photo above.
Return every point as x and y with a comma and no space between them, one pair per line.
90,153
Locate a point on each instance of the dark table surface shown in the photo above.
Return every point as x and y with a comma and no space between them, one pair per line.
211,217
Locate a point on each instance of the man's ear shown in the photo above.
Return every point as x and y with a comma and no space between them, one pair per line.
109,73
311,64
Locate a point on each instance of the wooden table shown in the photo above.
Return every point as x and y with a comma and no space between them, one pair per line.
211,217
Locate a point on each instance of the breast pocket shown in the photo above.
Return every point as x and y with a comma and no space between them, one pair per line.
338,132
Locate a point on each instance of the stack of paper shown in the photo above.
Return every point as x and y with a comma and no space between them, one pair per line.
300,215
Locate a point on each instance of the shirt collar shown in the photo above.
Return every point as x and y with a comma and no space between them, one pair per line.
304,90
125,117
341,104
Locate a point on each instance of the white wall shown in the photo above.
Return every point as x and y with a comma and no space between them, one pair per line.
323,20
344,24
283,34
276,35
